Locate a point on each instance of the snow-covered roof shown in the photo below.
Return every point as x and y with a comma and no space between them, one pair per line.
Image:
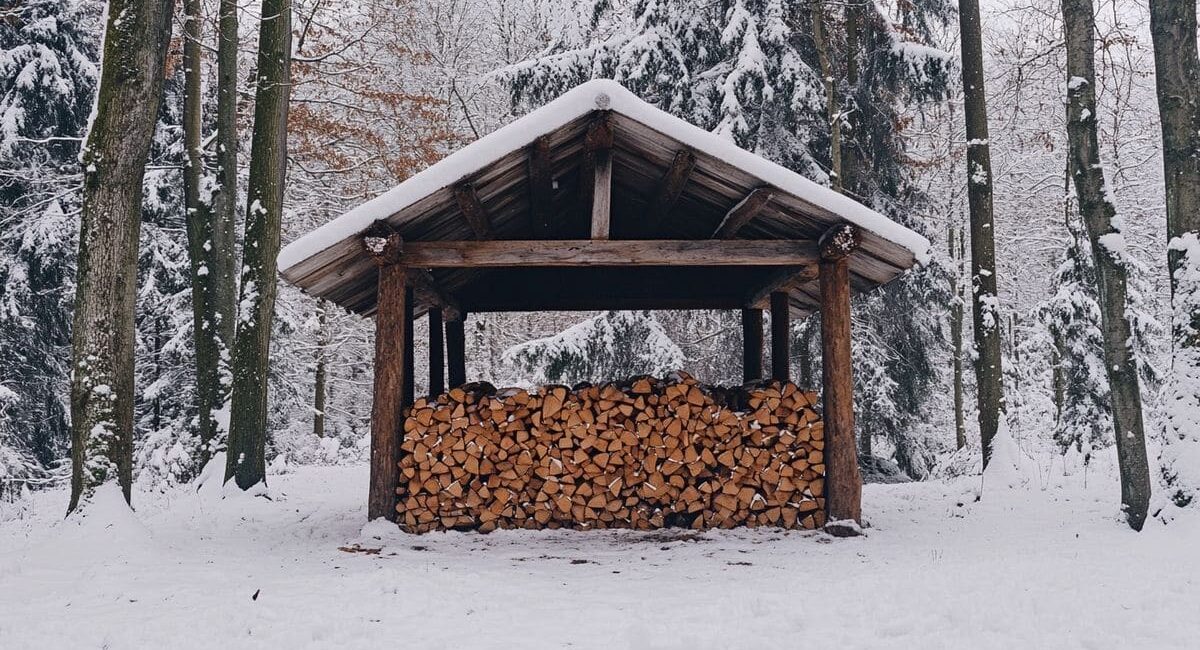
423,207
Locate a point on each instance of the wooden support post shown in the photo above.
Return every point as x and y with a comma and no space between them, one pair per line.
780,336
410,390
752,345
602,194
437,357
456,350
843,482
392,330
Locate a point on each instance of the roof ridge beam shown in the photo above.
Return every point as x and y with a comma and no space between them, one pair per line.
743,213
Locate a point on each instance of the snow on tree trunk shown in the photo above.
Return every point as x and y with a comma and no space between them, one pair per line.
611,345
246,459
1177,75
985,303
1109,253
137,34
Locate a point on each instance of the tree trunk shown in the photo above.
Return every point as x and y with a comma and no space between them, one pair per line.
114,158
956,337
322,369
1108,250
199,233
985,305
223,206
833,113
1177,75
246,460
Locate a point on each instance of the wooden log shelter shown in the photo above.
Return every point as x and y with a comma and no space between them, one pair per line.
600,201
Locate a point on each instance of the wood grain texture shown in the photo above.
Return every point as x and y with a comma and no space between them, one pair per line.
476,254
387,409
843,480
473,210
742,213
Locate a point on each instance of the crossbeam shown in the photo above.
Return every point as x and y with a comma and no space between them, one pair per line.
585,252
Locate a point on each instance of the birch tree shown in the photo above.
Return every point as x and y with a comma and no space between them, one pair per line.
1108,251
137,33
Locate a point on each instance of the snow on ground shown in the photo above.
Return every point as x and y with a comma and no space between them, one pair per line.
1034,569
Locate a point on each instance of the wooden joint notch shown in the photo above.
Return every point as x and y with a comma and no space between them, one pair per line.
382,243
839,241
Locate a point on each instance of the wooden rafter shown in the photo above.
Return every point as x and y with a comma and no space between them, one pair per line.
670,187
427,290
541,187
784,279
742,213
473,211
586,252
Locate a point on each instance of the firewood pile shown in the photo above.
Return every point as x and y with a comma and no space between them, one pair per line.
642,454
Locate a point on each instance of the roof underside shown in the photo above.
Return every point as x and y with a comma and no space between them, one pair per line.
344,274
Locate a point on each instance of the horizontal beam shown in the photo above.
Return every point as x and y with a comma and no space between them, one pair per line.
630,252
599,303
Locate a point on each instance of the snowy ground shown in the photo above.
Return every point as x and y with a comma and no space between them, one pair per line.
1034,569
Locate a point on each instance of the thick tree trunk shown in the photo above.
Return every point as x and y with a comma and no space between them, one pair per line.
985,303
956,337
392,328
319,393
1108,250
843,480
246,460
1177,74
114,158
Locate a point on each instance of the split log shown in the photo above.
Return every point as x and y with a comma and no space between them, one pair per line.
642,453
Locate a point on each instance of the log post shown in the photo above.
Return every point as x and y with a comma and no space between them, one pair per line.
843,482
780,335
410,389
437,357
456,350
752,345
392,331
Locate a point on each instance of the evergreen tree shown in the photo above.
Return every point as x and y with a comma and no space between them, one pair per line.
47,80
609,345
1072,316
751,71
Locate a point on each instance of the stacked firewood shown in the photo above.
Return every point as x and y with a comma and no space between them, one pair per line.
644,453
